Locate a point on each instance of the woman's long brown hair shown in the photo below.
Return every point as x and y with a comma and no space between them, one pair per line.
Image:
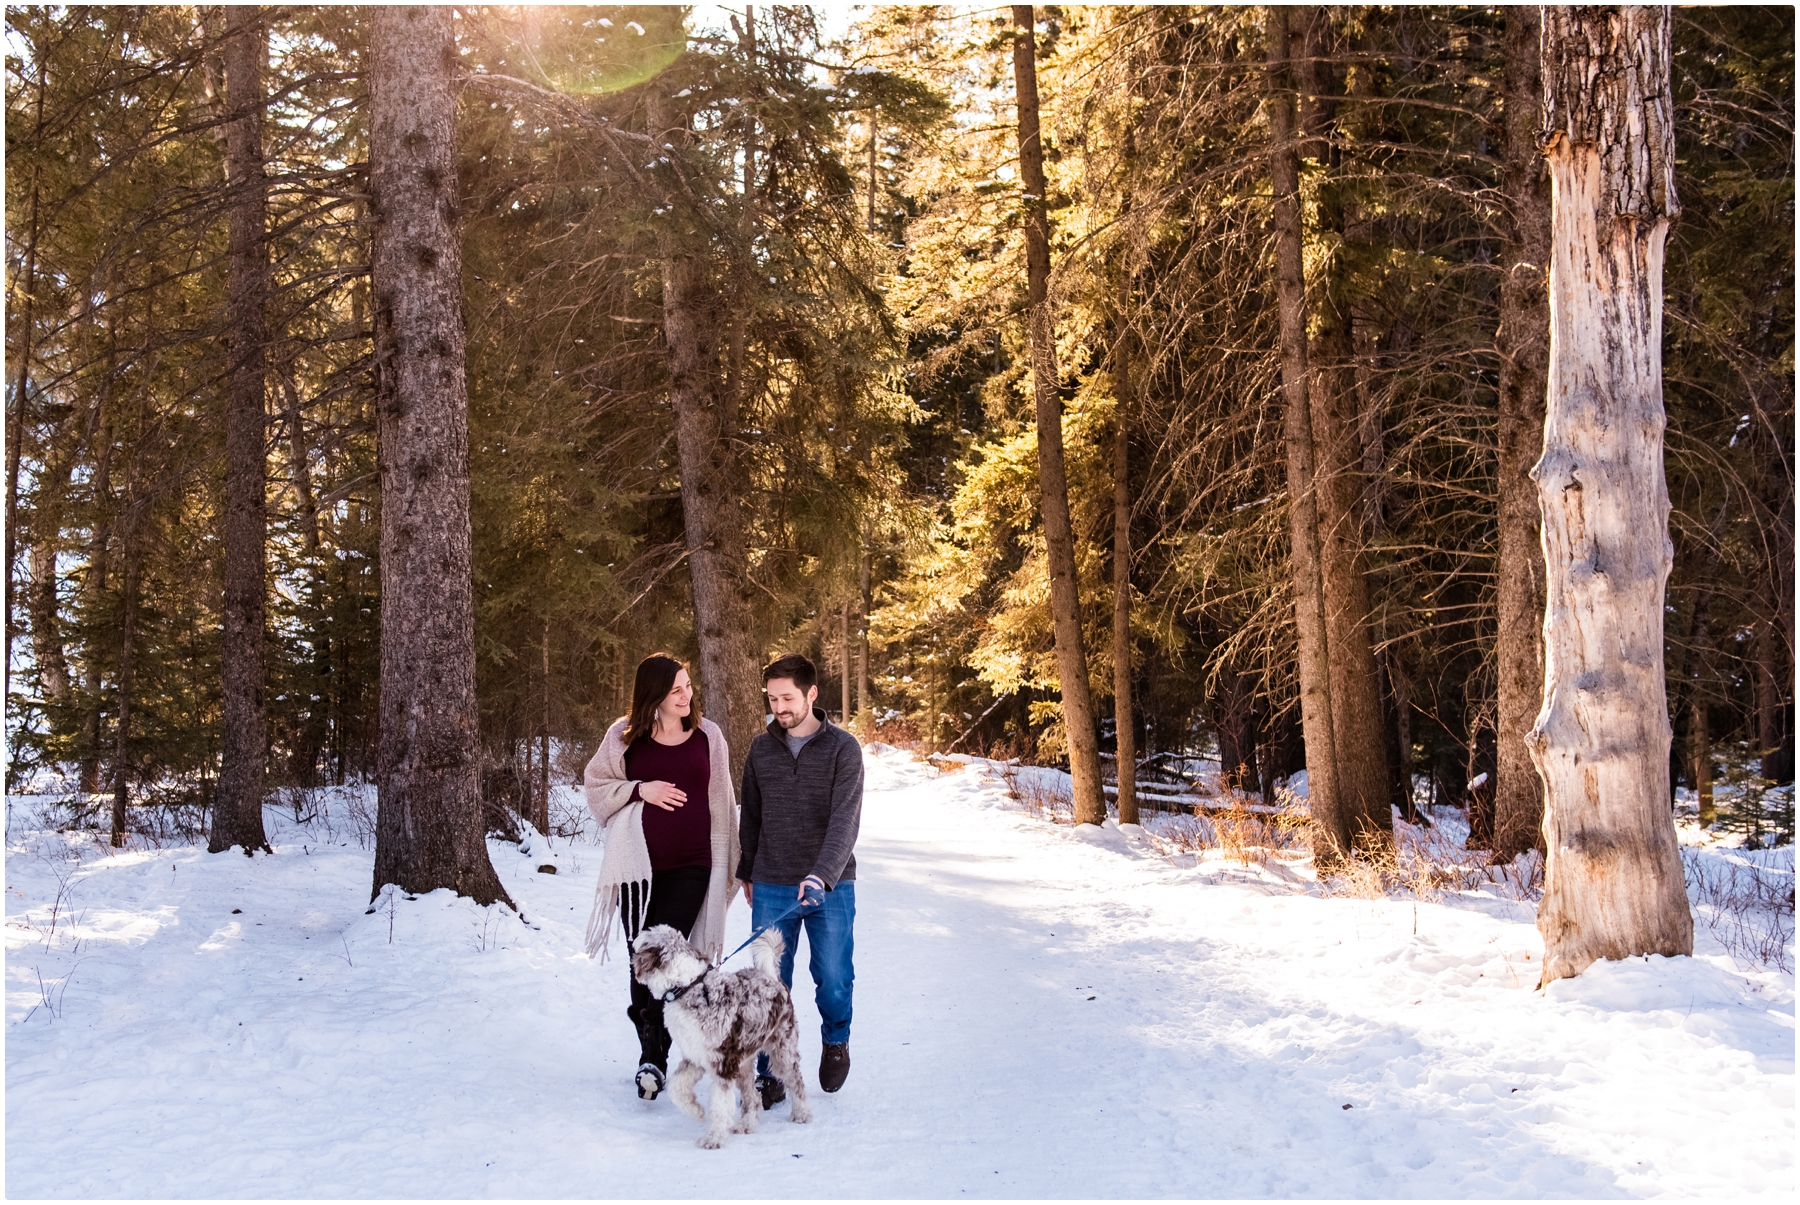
655,679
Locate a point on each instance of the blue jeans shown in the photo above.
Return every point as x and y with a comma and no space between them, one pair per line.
830,936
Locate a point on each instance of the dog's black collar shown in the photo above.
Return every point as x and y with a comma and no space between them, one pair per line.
676,993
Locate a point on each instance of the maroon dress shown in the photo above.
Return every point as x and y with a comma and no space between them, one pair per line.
679,839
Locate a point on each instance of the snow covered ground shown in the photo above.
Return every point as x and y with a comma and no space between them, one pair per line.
1040,1012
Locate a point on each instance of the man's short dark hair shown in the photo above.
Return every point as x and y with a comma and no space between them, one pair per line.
794,667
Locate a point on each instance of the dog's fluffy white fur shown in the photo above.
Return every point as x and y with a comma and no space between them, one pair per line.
721,1024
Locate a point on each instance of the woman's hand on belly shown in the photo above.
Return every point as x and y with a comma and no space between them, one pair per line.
665,795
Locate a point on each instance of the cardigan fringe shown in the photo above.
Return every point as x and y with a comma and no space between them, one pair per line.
606,906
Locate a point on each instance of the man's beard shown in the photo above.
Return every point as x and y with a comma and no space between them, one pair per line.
791,721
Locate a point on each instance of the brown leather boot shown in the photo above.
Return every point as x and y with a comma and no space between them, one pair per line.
834,1066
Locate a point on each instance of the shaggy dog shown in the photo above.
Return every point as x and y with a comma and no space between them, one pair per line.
722,1021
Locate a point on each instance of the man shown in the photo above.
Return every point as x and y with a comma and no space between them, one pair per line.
802,806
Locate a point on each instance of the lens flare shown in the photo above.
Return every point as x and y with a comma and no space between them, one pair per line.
591,51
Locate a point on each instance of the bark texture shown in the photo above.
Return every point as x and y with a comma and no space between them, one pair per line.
540,800
1124,719
306,504
1332,824
1399,693
128,623
845,703
237,807
1700,755
46,635
1523,341
693,315
16,404
41,602
1359,745
738,325
1390,671
1769,738
1053,484
1774,643
99,555
863,711
1691,670
429,830
1613,876
15,436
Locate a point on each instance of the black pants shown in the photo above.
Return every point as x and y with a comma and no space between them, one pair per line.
676,897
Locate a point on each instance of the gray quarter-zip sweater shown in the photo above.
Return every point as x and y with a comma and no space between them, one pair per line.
801,814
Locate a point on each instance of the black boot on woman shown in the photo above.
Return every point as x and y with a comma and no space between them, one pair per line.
653,1051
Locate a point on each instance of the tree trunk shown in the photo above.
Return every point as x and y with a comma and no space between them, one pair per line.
46,639
621,681
738,327
711,504
1280,749
94,582
717,565
1613,875
1700,750
1777,657
237,805
1332,824
1234,723
1689,664
1523,343
1389,674
1053,485
1773,650
429,830
1690,670
15,421
1400,690
862,661
42,605
1123,718
306,505
15,411
1768,702
1359,746
844,662
121,775
540,811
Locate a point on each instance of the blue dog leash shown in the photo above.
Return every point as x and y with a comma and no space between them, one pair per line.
811,897
676,993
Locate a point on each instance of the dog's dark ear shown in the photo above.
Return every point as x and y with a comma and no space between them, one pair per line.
646,958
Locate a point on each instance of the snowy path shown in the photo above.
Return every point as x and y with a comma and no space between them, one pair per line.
1037,1015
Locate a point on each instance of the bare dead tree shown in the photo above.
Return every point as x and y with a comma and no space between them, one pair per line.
1614,885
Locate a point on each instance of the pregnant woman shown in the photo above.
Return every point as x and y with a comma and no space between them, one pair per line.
661,787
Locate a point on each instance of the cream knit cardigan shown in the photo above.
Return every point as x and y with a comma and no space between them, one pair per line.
626,858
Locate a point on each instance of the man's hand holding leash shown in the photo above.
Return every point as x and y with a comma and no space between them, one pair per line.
811,883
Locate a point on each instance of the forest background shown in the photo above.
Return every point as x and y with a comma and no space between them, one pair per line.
855,212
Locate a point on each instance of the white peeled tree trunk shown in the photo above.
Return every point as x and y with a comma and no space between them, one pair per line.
1613,876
